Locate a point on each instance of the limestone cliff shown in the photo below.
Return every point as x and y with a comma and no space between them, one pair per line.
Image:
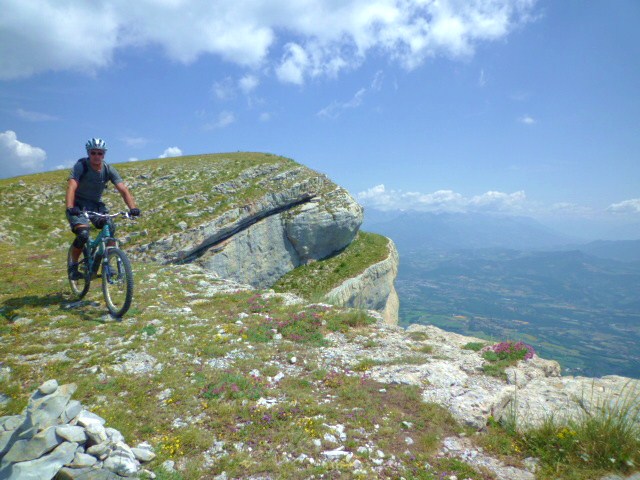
373,289
272,215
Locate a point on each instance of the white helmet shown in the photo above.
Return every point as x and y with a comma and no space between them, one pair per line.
96,144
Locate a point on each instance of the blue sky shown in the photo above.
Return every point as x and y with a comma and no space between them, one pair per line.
524,107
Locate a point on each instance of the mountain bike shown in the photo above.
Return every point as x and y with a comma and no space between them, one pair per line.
103,257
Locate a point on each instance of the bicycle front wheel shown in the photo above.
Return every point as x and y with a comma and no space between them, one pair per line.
117,281
80,287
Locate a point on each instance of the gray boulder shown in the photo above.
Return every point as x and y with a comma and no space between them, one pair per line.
47,440
41,443
43,468
72,433
45,410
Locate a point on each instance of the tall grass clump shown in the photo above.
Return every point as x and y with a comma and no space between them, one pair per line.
603,439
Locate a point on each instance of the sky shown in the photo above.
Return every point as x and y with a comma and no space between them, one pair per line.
525,107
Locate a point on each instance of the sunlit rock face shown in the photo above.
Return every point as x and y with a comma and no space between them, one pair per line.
274,219
373,289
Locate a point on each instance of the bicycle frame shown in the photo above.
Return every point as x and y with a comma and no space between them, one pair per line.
98,246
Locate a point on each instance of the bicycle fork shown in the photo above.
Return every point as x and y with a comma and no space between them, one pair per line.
107,269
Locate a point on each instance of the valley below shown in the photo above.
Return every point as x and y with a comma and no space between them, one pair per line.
572,307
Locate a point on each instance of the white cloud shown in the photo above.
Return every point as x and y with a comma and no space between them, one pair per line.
135,159
317,37
26,48
265,117
35,116
336,108
442,201
527,120
224,89
248,84
136,142
482,80
376,84
223,120
294,63
628,206
171,152
227,88
17,158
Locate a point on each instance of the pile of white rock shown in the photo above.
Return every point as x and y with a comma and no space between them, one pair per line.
55,437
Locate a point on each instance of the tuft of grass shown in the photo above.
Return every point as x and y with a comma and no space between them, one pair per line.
475,346
418,336
367,364
607,439
423,349
234,386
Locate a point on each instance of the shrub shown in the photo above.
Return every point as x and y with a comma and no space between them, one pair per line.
513,351
503,355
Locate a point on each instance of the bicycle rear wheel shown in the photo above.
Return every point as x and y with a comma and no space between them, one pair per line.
80,287
117,281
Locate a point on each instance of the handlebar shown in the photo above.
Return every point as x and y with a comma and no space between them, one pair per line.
107,215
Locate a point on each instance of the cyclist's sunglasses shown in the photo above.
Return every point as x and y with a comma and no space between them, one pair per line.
97,152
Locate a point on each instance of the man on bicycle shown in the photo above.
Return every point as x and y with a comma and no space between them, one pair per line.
87,181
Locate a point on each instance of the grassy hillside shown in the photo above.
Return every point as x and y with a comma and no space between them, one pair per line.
216,378
186,370
175,194
187,366
192,189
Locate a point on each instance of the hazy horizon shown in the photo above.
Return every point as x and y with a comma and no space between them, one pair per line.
577,230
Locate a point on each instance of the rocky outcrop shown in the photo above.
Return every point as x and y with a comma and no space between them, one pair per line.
56,437
305,217
296,217
453,376
373,289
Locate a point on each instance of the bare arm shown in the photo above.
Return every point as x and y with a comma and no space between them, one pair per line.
126,195
71,192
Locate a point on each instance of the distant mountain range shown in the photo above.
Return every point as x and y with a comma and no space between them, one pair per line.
412,230
419,231
620,250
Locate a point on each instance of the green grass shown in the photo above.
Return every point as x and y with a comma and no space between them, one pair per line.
582,448
315,280
209,356
221,356
474,346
